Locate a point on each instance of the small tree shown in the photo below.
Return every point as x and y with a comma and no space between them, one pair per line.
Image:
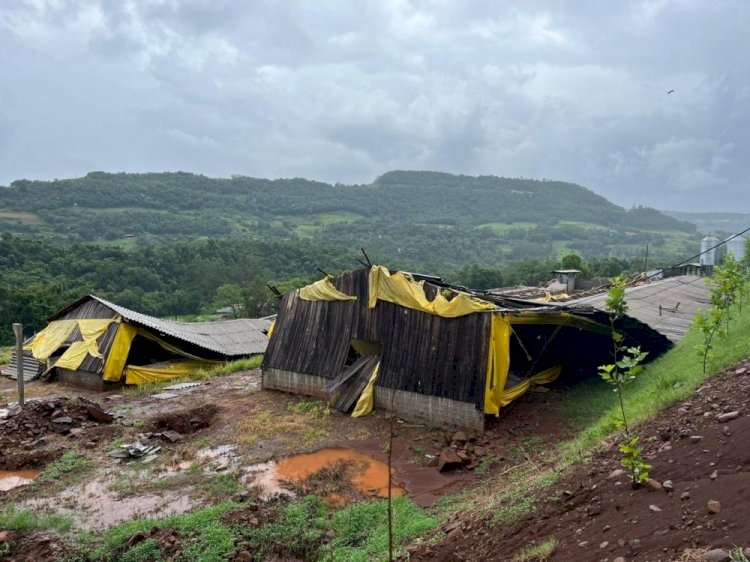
626,367
726,286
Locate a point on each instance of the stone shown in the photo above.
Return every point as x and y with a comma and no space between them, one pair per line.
464,456
654,508
98,415
716,555
4,536
714,506
62,420
619,559
634,545
714,475
696,438
605,544
685,496
729,416
616,473
431,460
449,460
459,438
652,485
668,486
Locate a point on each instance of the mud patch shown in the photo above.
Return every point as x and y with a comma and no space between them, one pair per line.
28,459
93,505
186,421
10,479
169,541
333,469
39,547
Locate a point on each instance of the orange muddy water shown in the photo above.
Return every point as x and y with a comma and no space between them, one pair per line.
369,475
10,479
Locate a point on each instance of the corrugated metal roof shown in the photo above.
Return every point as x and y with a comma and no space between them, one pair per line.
690,291
231,338
31,367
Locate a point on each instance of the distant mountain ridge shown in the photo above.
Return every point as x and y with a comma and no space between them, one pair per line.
409,217
730,223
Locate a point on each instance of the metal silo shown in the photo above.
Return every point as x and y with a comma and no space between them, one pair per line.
736,246
709,257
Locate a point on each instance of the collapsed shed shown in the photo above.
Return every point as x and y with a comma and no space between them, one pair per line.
96,344
443,354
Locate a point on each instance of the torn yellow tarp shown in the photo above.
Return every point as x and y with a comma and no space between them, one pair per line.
118,354
139,374
324,290
401,289
366,401
270,329
549,297
54,335
91,331
544,377
498,364
50,339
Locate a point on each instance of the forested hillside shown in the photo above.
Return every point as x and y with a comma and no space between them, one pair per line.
183,244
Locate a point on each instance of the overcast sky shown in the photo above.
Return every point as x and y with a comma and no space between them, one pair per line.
347,90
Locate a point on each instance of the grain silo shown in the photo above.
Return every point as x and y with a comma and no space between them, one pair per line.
709,254
736,247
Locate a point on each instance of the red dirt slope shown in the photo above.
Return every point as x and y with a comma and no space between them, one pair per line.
597,516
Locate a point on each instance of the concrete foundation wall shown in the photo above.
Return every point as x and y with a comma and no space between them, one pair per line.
86,379
411,406
296,383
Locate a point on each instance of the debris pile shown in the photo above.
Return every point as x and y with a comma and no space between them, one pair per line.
23,426
141,449
460,451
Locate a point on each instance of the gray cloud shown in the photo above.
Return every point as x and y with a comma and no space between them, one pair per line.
344,91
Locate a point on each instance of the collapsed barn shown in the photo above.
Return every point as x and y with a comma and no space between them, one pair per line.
97,344
428,350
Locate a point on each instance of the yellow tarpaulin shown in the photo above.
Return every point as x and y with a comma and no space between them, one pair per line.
324,290
50,339
118,354
401,289
366,401
564,319
137,374
544,377
270,329
497,364
54,335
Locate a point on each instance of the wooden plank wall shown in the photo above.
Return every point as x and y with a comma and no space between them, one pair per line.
422,353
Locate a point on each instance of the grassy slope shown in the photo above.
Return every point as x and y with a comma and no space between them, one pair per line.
593,409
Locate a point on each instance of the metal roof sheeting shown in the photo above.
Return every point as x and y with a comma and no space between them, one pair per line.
230,338
690,291
31,367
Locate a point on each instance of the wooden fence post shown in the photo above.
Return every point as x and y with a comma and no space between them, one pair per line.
18,329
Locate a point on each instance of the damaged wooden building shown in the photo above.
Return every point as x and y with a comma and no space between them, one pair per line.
431,351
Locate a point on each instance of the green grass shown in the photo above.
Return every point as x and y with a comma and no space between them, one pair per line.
305,528
587,225
5,355
539,552
503,227
592,408
362,529
13,518
69,463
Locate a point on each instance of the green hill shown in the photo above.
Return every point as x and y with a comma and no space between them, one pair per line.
425,217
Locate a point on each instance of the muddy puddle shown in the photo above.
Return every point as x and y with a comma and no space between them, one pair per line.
365,473
93,505
10,479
